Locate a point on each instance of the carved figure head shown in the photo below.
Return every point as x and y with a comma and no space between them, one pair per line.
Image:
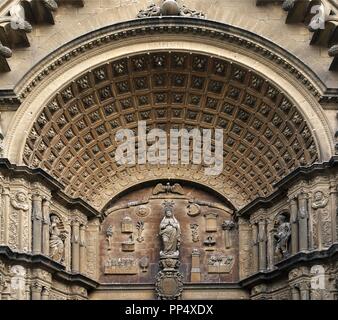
21,197
319,196
168,208
55,219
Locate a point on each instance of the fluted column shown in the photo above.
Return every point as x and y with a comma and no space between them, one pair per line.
36,291
262,244
255,247
303,216
294,225
37,223
45,226
82,249
75,246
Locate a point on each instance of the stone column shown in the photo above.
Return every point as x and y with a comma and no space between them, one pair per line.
6,213
303,216
1,215
262,244
255,248
37,223
295,292
270,245
304,291
333,202
45,226
294,225
45,293
75,246
36,291
82,249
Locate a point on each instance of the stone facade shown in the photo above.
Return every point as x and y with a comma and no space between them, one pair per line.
76,225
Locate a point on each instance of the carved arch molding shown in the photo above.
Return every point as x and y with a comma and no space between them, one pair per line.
265,134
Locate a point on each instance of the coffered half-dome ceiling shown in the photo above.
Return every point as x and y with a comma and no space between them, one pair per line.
265,136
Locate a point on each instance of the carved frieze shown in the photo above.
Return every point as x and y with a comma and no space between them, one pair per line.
121,266
219,263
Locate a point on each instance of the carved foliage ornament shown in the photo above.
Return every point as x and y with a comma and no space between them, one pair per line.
169,8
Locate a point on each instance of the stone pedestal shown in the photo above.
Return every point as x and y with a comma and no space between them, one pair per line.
195,266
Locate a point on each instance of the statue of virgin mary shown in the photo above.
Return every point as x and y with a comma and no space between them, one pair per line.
170,232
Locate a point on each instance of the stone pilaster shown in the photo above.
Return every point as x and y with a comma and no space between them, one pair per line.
262,244
45,226
6,213
75,246
255,263
304,291
37,223
36,291
45,293
333,206
303,215
83,267
294,225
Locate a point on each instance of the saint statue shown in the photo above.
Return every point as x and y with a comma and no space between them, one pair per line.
56,240
170,232
282,235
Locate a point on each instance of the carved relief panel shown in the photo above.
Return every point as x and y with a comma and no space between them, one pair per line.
130,241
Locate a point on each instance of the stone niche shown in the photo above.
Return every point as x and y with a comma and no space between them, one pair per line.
131,253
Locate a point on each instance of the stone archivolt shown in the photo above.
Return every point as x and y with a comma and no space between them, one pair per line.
265,136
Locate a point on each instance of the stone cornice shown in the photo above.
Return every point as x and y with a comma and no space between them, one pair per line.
183,26
302,173
39,175
283,267
40,261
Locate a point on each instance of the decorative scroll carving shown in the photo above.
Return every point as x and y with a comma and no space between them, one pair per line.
282,235
169,8
169,285
194,232
160,188
140,229
57,237
219,263
121,266
18,228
